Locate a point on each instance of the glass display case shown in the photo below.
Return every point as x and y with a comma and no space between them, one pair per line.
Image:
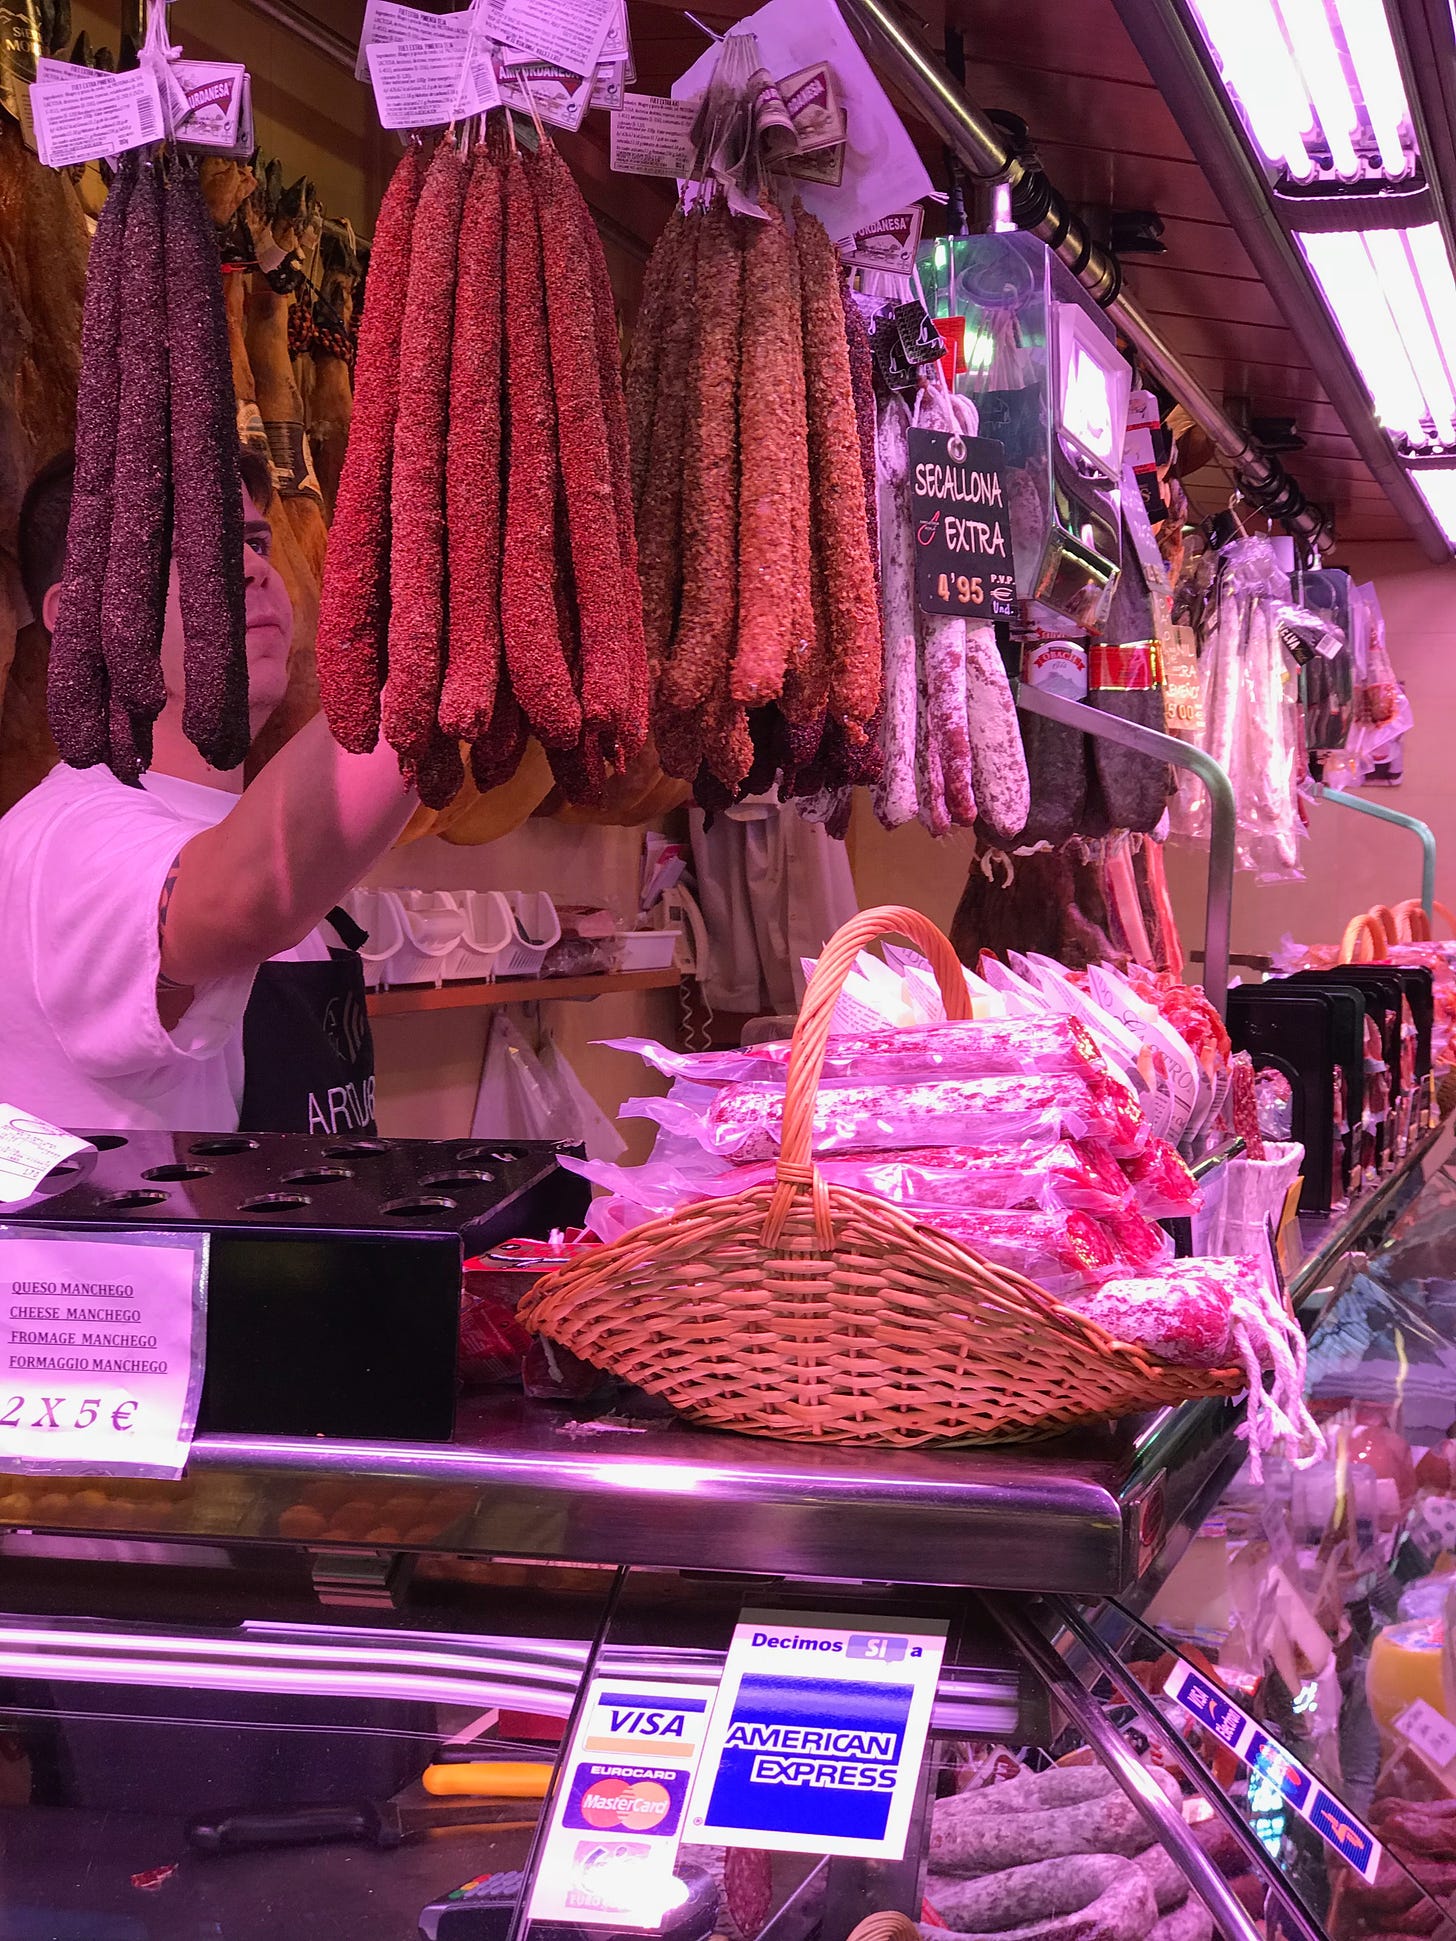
1042,365
236,1707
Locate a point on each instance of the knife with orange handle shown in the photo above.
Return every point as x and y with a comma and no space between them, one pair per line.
490,1779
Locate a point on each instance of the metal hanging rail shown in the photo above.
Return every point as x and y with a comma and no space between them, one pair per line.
982,148
1218,909
1394,816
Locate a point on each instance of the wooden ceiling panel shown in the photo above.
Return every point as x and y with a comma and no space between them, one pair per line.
1158,285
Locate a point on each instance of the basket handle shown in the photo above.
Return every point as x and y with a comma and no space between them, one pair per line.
796,1167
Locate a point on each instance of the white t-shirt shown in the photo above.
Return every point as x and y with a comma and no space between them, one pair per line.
83,859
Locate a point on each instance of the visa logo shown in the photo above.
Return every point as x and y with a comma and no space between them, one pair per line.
648,1725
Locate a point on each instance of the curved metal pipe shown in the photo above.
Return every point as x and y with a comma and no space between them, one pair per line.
1223,820
1293,1913
983,149
1136,1780
1421,829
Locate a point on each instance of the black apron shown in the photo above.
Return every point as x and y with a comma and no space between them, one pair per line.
308,1054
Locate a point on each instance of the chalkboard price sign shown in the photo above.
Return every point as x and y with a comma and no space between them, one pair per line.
962,527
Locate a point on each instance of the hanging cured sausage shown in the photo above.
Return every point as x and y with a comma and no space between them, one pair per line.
158,484
482,570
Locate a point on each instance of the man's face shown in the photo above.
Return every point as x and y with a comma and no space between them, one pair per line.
270,623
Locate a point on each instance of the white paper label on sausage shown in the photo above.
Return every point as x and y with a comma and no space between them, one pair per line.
652,136
81,115
567,33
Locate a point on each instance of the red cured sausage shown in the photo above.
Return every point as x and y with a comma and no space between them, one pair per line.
659,522
473,495
840,525
535,652
623,456
417,622
697,663
644,359
603,595
353,622
766,405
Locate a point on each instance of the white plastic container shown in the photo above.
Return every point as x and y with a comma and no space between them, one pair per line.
647,950
535,927
434,924
489,932
380,913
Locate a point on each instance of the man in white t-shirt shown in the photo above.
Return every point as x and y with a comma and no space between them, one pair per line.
134,921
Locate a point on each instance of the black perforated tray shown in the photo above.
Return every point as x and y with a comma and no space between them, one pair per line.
334,1276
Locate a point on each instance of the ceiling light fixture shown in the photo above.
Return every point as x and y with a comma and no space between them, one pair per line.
1314,79
1393,298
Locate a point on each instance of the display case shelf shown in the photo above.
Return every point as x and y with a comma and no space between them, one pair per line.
1091,1513
480,994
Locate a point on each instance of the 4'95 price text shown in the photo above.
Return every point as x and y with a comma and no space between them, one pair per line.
65,1412
960,586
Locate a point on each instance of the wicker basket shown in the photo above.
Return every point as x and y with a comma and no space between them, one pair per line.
816,1313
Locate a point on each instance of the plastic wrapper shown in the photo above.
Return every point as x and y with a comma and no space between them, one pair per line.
1251,712
743,1121
493,1346
990,1047
582,957
1137,1242
1069,1175
1161,1183
1064,1253
1072,1175
1213,1313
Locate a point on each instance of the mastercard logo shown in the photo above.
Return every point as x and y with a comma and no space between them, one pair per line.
640,1804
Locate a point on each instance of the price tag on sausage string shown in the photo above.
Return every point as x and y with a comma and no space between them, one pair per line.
817,1735
102,1347
1331,1819
962,527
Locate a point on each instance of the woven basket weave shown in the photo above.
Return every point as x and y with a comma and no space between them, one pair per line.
816,1313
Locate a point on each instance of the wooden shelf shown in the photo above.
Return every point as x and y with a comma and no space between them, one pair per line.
476,996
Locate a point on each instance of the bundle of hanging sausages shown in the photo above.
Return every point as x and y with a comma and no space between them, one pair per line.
750,408
481,584
951,741
156,479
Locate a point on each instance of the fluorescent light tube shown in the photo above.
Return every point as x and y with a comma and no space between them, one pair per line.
1308,27
1414,321
1343,269
1257,66
1372,55
1313,74
1438,489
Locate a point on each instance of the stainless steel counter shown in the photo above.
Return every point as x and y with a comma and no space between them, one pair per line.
1085,1514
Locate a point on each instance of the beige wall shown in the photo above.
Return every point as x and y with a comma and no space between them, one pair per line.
1351,861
